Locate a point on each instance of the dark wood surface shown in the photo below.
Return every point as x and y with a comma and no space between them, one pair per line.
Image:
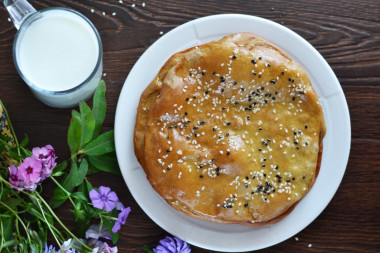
346,33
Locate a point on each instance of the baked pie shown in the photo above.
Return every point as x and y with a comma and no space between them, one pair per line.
231,132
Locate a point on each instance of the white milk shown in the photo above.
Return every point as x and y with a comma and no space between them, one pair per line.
58,51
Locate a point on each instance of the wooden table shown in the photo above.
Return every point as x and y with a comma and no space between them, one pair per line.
346,33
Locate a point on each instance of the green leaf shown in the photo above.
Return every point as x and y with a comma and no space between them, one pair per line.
103,144
74,133
99,107
109,224
82,172
68,184
87,122
79,195
7,224
25,141
13,153
147,249
12,203
107,163
60,167
2,147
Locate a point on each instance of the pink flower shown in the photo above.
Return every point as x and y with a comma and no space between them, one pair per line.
13,175
30,170
46,156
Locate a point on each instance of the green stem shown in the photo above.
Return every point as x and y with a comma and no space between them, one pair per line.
64,190
49,226
60,222
18,217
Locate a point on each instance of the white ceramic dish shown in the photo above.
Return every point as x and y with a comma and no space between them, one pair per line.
235,238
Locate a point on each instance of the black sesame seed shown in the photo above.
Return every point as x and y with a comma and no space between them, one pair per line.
282,73
222,79
289,79
272,81
236,103
242,89
293,98
227,134
214,73
279,181
265,175
260,58
195,128
203,73
248,118
228,123
246,185
295,133
293,178
262,88
306,143
268,141
268,184
191,74
297,148
266,101
263,165
275,92
265,199
223,108
245,205
246,177
292,80
206,92
234,57
276,168
253,73
253,177
222,90
228,152
235,83
253,61
170,127
296,142
167,137
260,128
264,159
306,126
273,98
175,126
303,177
188,137
213,160
217,169
260,149
185,113
201,176
247,109
187,99
287,180
167,168
268,65
194,97
214,129
260,76
168,150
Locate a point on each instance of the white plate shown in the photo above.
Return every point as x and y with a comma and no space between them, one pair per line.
234,238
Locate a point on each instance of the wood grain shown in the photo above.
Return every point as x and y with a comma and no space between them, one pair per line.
346,33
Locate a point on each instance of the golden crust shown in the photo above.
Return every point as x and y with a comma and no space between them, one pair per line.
231,132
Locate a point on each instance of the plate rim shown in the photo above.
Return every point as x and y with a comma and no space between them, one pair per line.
339,92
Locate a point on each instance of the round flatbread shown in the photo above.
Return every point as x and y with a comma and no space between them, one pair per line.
231,132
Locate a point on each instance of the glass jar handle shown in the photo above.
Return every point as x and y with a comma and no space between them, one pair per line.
18,11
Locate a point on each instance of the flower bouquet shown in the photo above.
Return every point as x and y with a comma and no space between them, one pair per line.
28,222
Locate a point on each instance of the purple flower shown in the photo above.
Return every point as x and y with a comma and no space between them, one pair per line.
103,247
105,198
96,232
172,245
67,247
30,170
49,249
13,175
121,218
46,156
